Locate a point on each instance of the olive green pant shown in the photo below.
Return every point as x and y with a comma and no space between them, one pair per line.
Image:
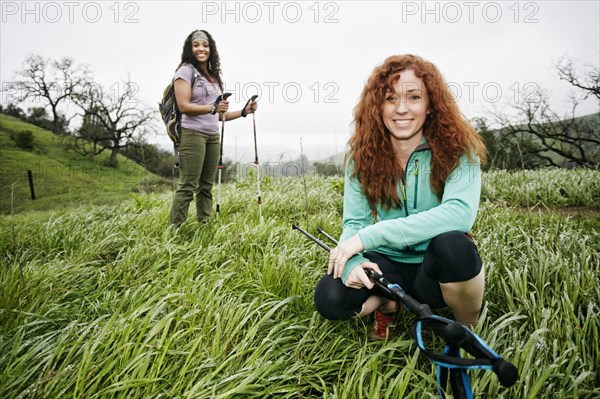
198,160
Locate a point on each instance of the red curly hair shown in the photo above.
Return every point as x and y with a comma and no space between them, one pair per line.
448,133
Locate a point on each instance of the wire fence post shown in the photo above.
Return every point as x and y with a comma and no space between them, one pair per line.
30,176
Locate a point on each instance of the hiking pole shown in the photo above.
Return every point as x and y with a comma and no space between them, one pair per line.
455,335
304,180
333,240
259,200
313,238
220,166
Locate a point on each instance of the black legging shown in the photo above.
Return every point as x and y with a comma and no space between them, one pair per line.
450,257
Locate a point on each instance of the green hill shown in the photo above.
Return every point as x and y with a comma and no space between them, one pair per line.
62,178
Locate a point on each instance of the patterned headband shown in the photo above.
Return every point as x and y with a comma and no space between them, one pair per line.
199,36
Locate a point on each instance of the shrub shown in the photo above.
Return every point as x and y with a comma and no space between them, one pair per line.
23,139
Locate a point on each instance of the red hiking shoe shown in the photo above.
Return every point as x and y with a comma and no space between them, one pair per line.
383,328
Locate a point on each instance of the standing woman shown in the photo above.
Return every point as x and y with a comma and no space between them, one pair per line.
411,195
199,146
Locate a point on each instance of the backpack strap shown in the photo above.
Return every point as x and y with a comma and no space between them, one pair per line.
195,74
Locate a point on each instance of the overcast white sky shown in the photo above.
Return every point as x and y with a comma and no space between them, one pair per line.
309,60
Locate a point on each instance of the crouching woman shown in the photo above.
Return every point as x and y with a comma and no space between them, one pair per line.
411,195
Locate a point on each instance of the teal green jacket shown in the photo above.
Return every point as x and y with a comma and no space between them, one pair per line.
403,234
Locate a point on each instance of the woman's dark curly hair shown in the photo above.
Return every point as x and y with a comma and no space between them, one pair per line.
448,133
214,62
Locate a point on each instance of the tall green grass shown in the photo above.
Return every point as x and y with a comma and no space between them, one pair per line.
543,188
110,302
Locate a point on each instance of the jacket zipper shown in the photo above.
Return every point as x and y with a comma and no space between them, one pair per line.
403,181
416,182
404,198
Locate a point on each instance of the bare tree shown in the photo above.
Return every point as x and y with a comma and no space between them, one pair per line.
544,137
51,81
589,83
113,120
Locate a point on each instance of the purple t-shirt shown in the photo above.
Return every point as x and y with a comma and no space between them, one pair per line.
203,92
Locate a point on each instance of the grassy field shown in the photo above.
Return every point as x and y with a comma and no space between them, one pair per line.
62,178
109,302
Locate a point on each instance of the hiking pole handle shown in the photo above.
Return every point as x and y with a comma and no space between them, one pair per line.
221,97
419,309
251,99
506,371
458,335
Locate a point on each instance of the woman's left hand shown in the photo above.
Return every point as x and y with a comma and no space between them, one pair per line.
339,255
252,107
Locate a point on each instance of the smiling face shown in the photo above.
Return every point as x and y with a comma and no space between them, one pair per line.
405,109
201,50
